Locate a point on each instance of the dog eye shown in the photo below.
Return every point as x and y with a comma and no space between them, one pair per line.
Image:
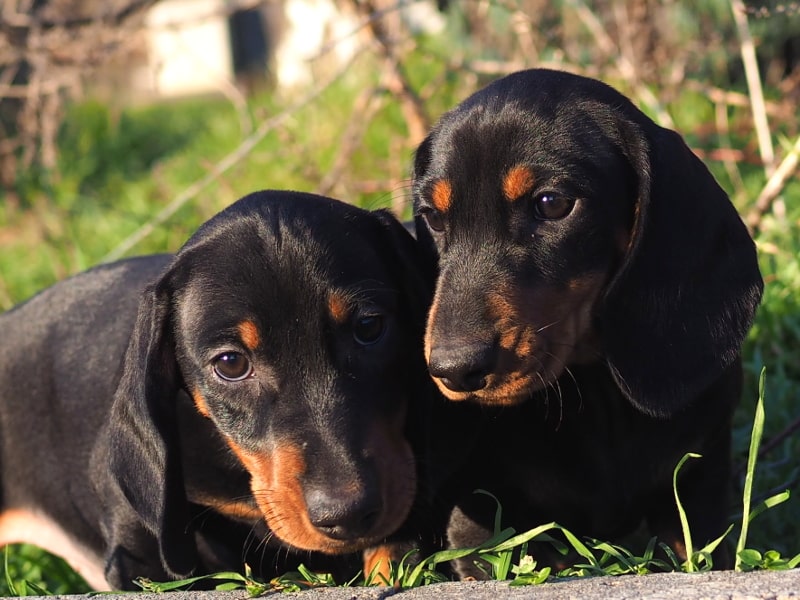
433,218
550,207
232,366
368,329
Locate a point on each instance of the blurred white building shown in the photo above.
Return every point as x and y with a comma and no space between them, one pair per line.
202,46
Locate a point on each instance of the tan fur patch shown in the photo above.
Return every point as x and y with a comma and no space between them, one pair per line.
518,181
277,488
34,527
442,195
275,481
231,508
338,307
378,562
249,334
539,332
200,403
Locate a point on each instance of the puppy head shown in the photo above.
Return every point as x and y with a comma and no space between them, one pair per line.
570,228
289,319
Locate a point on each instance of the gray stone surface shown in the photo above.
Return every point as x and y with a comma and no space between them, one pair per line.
721,585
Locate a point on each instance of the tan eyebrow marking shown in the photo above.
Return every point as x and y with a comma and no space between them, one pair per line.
338,307
518,181
249,334
442,195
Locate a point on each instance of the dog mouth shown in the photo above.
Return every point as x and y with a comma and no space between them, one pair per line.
333,518
513,380
503,363
503,347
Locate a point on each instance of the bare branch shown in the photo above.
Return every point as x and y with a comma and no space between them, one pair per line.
748,51
624,66
364,108
395,77
773,187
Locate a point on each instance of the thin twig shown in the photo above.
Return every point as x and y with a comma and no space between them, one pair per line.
222,166
737,99
776,440
395,77
728,159
523,27
774,186
624,66
748,51
770,445
364,108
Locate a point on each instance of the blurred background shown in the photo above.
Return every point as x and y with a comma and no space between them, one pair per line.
124,124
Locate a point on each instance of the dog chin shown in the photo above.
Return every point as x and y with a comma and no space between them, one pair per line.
488,396
502,391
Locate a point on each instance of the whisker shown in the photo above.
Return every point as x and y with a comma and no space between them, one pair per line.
548,326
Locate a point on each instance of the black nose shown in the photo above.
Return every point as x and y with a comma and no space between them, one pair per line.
462,367
342,514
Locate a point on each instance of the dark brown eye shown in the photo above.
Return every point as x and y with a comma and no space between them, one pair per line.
433,218
550,207
232,366
368,329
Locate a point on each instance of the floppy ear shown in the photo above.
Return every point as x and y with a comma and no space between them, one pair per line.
144,454
417,271
675,315
417,275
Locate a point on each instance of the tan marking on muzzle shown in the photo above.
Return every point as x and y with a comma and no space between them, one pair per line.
200,403
235,509
277,487
275,482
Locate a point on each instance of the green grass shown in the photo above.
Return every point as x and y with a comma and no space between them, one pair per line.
27,571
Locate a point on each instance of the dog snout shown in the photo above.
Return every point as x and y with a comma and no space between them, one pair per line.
462,367
344,514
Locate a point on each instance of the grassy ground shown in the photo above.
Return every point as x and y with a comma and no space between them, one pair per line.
118,168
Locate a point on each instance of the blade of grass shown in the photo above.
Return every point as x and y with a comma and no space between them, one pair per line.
169,586
579,546
414,578
498,513
755,441
622,556
375,577
711,546
521,538
37,589
9,581
769,503
500,563
688,564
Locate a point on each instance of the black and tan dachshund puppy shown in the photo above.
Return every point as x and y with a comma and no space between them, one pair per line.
245,401
595,286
